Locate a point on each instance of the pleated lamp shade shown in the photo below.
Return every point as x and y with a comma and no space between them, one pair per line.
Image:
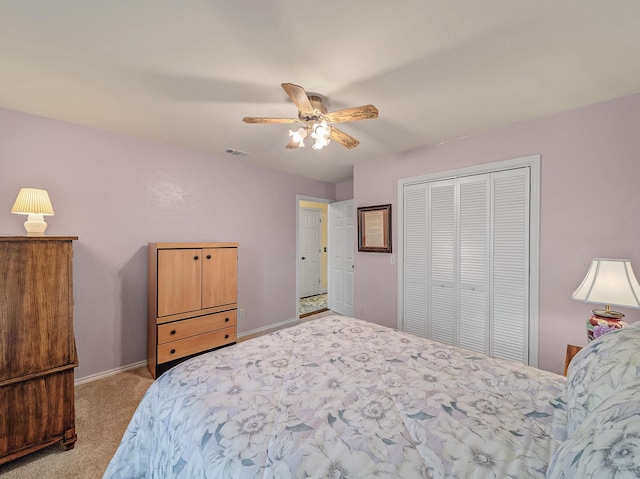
36,204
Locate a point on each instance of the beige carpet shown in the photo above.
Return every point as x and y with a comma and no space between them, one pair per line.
103,410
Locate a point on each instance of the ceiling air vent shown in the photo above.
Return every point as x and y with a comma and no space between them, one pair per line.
233,152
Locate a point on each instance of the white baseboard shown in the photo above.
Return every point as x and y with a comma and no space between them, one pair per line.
268,328
111,372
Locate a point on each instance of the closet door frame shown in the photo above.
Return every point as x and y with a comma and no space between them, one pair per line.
533,163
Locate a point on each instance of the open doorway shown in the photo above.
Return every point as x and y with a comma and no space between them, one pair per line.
324,282
312,256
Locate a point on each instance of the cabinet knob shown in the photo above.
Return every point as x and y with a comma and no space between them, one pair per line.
173,351
173,331
226,320
195,258
208,256
226,336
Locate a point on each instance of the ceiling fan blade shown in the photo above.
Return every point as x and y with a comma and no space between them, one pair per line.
253,119
341,137
356,113
298,97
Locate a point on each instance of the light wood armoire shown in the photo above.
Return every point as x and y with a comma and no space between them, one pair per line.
37,345
193,291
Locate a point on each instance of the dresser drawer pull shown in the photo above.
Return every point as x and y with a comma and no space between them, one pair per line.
195,258
173,351
226,336
173,331
226,320
208,256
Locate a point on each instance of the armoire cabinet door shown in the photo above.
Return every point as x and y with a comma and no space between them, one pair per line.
36,333
179,280
219,276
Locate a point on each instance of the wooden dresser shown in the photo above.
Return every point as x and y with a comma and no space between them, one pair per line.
571,352
193,291
37,346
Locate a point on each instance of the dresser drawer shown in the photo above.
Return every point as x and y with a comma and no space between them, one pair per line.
193,327
195,344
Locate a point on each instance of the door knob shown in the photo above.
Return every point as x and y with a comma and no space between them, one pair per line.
303,257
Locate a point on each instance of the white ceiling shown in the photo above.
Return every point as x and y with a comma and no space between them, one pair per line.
185,72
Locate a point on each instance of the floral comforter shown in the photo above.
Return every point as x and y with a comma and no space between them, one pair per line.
343,398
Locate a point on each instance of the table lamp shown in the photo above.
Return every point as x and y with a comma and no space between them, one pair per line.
610,282
37,205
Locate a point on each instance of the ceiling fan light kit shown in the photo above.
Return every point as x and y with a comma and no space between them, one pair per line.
297,138
320,132
313,113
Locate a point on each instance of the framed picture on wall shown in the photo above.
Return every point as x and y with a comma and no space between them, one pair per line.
374,229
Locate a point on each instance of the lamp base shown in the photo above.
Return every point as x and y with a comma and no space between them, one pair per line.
35,225
599,325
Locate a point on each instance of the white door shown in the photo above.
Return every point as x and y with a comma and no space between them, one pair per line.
341,251
310,252
441,275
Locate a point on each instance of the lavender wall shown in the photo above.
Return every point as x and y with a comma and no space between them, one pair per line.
344,190
590,198
117,194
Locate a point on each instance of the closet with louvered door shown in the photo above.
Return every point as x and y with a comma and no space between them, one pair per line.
466,258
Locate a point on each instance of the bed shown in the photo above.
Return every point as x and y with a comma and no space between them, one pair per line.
339,397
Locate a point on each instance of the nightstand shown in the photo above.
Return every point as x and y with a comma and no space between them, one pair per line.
571,352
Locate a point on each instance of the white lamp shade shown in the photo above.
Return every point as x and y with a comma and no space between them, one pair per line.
32,200
610,282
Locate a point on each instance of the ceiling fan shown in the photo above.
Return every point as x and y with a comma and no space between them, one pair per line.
313,113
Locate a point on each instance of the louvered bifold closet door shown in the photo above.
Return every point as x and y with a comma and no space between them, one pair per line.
511,264
442,307
474,258
415,259
466,262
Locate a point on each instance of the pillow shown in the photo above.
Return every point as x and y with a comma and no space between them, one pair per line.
599,370
606,444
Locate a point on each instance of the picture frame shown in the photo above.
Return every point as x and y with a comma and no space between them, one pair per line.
374,229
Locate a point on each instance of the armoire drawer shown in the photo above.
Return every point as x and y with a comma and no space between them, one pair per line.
186,328
195,344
